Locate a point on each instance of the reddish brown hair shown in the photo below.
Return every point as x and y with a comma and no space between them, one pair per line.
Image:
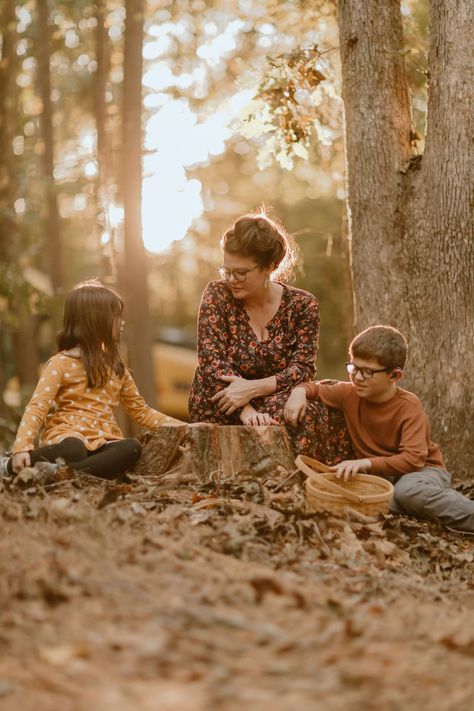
264,240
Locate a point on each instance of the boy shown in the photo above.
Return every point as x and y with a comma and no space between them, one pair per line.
389,429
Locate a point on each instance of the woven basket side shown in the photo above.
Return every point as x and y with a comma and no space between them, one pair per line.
319,500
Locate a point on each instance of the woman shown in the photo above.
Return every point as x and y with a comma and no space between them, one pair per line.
258,338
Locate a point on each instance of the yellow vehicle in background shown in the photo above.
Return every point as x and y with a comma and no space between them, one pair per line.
174,367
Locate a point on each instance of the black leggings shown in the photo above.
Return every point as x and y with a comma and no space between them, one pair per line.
107,461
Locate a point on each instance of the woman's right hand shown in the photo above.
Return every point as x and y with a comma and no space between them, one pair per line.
20,461
250,416
295,407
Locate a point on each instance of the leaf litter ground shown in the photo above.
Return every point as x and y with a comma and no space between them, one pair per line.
167,593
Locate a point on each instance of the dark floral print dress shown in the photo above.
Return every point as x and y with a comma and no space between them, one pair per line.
227,345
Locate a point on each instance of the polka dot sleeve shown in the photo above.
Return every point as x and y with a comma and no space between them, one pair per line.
137,408
38,406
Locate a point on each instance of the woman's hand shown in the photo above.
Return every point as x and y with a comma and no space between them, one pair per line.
250,416
238,393
349,468
20,461
295,407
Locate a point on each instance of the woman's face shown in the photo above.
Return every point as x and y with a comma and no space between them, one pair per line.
244,276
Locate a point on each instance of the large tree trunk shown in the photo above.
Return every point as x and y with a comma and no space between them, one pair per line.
135,268
411,217
52,226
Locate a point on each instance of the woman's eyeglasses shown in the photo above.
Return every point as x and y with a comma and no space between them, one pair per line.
238,274
366,373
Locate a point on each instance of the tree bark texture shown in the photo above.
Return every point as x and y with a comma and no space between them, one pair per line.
216,452
411,217
52,226
135,268
100,110
24,331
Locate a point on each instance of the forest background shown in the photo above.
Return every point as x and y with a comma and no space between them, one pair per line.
208,110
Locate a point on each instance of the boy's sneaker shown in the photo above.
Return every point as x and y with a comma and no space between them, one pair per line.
4,459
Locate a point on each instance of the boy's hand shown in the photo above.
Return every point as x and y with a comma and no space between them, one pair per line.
295,407
349,469
20,461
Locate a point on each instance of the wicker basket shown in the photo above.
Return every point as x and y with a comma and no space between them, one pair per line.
368,494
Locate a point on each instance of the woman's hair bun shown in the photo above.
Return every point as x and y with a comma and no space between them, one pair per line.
264,240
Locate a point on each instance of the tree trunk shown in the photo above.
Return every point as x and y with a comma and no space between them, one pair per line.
135,269
24,331
411,217
215,452
53,233
7,122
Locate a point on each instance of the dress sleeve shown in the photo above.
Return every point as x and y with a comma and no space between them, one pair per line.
213,338
38,406
137,408
302,357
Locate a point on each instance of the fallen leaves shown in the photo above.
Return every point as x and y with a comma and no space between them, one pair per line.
230,590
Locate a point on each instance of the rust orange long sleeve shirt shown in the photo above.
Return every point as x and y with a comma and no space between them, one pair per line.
394,435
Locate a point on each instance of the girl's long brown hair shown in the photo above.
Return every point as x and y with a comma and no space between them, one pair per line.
89,315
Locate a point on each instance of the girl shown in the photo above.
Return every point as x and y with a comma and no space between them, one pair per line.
78,391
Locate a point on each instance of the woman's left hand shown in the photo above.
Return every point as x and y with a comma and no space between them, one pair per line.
238,393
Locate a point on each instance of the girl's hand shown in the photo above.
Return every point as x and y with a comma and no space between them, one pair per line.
250,416
20,461
295,408
349,469
237,394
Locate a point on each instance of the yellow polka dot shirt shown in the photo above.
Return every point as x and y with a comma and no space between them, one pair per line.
69,408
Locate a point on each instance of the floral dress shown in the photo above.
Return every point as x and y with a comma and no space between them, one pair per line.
227,345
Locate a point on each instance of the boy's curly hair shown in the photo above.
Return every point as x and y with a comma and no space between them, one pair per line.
383,343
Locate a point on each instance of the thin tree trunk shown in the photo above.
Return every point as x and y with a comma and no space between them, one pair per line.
135,270
53,234
24,332
103,66
7,118
411,217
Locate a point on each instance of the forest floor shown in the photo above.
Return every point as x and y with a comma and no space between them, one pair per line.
177,596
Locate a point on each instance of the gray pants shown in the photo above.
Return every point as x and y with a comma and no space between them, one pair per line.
428,494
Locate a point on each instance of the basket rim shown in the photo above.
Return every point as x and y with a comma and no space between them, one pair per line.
311,486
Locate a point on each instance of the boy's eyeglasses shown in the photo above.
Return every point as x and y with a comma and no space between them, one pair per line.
366,373
238,274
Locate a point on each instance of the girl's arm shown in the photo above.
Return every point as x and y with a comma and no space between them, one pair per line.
38,406
137,408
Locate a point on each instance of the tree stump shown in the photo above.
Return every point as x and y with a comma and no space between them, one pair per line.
216,452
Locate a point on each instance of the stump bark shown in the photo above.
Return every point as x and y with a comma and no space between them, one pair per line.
212,451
